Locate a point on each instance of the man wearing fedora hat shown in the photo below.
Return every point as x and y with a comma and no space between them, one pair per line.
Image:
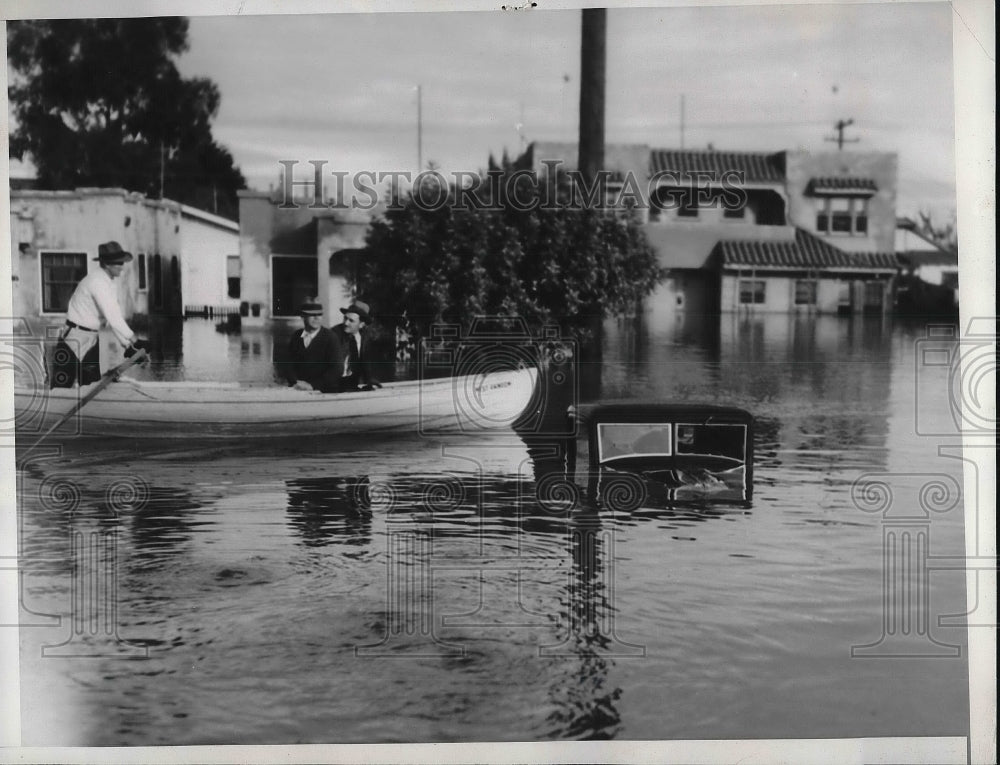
94,303
353,359
312,353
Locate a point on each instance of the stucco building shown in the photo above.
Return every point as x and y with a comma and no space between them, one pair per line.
54,239
788,231
291,252
180,252
210,263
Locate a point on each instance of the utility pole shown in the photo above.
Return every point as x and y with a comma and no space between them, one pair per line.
839,138
161,168
593,54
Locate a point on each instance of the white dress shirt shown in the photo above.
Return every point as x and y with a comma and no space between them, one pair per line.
95,302
307,336
356,339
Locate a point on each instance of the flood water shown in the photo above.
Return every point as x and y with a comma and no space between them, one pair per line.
410,589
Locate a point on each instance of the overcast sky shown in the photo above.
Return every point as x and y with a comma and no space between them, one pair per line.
342,87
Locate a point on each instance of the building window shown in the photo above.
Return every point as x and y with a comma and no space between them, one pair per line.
688,204
233,273
840,215
843,215
294,280
61,272
860,208
805,292
874,290
752,291
140,269
844,295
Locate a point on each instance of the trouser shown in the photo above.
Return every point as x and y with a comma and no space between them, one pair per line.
67,368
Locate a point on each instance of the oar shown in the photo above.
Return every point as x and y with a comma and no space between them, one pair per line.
109,377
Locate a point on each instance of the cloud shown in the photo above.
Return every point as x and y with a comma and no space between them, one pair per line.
753,77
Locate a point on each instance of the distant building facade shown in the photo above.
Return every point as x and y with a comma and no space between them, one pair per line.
54,239
290,253
179,251
210,264
789,231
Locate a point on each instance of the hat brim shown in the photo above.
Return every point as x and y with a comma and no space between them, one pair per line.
364,315
119,259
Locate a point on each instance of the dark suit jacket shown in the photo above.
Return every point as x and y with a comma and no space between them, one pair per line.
317,364
363,372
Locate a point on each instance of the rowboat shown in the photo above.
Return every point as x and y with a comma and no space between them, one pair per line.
196,410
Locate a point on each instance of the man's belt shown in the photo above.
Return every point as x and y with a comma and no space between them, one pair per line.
74,325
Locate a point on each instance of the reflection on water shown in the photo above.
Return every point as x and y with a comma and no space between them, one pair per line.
330,510
472,590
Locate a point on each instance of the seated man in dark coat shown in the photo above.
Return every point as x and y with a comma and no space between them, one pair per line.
353,353
312,354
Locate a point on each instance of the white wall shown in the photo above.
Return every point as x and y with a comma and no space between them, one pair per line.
933,274
203,265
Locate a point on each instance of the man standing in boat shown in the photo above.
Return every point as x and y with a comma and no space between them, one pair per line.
353,359
94,302
313,353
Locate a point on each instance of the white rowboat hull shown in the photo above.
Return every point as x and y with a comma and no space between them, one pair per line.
219,410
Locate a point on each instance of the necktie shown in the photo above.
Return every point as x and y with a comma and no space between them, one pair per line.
355,356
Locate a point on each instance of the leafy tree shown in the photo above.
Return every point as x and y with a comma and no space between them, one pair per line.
100,102
508,254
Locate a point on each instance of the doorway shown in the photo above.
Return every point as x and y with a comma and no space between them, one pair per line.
293,281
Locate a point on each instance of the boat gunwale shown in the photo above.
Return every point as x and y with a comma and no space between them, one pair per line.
283,396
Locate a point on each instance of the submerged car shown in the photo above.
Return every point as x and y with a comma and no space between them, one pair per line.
633,452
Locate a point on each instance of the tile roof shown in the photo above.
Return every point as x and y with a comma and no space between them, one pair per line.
806,252
756,167
842,185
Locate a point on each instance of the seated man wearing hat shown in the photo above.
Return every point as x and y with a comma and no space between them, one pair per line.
353,357
312,353
94,303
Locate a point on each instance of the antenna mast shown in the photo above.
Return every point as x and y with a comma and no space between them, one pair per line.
839,138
